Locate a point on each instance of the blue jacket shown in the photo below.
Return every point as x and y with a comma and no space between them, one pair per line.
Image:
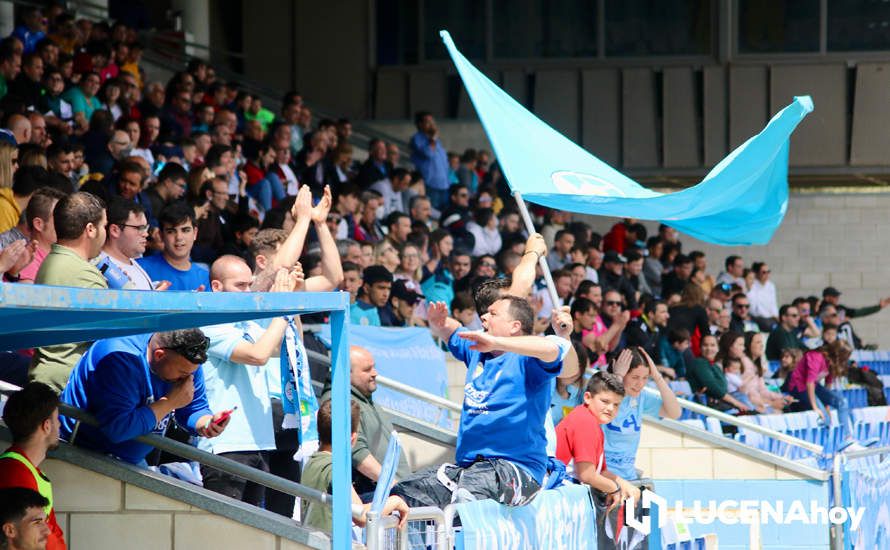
113,381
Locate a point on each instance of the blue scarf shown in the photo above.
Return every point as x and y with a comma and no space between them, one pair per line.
298,399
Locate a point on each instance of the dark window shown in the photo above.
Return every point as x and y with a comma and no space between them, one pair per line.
464,19
544,28
767,26
858,25
397,32
659,27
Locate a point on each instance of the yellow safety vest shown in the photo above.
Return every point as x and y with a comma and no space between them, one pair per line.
44,487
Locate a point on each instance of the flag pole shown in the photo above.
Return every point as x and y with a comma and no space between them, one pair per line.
530,227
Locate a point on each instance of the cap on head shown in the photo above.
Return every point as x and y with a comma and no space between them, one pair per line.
614,257
831,291
401,291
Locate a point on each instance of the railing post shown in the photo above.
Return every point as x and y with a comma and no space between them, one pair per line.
341,528
373,531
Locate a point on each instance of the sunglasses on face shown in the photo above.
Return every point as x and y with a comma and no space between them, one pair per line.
612,303
196,353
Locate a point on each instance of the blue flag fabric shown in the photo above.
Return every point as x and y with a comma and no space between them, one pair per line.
740,202
387,472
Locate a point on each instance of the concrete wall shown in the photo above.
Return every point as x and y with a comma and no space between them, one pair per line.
97,512
665,454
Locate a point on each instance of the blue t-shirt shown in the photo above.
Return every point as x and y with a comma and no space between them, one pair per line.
561,406
623,433
363,313
438,287
506,399
159,270
231,385
114,382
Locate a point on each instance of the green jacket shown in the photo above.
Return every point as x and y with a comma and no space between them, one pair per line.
373,433
318,474
52,365
703,374
780,339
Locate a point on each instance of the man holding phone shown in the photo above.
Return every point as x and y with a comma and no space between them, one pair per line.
133,385
240,360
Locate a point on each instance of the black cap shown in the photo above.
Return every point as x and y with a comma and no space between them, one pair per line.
830,291
401,291
612,256
376,274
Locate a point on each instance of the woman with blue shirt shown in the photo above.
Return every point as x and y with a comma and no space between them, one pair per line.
623,434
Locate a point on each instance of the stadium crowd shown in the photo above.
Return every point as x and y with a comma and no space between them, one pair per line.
109,180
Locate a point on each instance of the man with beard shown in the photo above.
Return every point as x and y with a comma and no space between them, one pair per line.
32,415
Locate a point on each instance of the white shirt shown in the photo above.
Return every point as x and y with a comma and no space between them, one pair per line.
144,154
488,241
392,200
763,299
291,185
134,271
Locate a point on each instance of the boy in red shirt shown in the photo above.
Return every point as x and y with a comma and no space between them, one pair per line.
579,438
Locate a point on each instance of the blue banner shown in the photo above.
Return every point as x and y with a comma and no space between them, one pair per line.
561,518
740,202
409,356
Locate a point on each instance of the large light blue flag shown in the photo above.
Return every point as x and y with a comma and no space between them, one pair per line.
740,202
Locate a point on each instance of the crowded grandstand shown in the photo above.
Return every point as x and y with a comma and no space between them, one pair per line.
112,180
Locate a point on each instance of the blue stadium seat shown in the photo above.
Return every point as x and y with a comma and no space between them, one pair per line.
856,397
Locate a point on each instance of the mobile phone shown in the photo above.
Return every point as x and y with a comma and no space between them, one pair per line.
225,416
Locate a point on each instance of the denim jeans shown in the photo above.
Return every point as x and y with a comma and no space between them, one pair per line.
266,189
829,398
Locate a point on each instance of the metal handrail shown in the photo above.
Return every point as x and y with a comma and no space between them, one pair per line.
849,455
398,386
420,394
684,403
188,452
736,421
